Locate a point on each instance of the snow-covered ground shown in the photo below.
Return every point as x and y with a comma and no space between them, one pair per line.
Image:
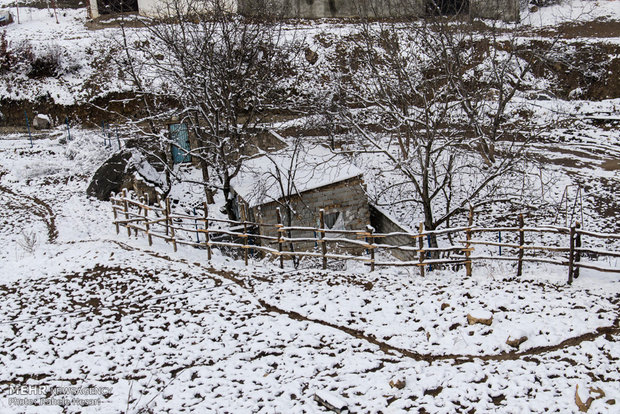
164,332
159,331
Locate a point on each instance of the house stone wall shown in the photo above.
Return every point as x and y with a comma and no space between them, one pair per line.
507,10
314,9
163,8
347,197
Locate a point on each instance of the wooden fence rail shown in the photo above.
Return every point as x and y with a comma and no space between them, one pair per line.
159,221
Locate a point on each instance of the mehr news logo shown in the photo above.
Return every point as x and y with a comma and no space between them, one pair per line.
46,395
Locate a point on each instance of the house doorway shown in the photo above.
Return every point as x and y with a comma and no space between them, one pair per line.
117,6
447,7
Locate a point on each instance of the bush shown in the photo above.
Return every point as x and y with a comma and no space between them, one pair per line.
47,64
7,56
544,3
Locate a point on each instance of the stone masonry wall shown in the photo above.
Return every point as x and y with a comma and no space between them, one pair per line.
346,197
314,9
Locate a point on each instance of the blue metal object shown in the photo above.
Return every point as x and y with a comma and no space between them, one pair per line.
103,132
500,240
109,134
68,129
180,146
28,126
119,145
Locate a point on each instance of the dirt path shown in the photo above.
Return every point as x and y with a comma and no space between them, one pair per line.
37,207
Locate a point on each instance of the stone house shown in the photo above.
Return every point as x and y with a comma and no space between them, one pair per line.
507,10
300,184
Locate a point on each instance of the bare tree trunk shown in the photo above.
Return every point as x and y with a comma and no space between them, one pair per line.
205,178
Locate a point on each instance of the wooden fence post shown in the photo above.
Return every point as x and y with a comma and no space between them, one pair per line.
521,243
147,226
470,222
571,255
421,244
114,205
140,208
577,246
170,225
280,237
322,237
126,210
259,213
167,214
371,240
245,233
207,237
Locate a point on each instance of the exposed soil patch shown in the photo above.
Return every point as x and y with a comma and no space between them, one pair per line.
91,114
506,356
611,165
598,28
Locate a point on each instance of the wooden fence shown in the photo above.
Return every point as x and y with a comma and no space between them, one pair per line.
160,222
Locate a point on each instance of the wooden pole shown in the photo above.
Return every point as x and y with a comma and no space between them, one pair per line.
521,244
28,126
126,210
371,240
55,13
322,237
208,238
147,226
470,222
114,205
280,237
577,253
421,244
245,233
571,255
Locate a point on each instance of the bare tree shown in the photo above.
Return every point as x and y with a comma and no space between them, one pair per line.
221,74
437,101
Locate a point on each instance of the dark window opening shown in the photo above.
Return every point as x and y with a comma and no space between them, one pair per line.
117,6
331,219
332,7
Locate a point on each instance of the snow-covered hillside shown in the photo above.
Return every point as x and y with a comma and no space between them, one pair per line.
168,332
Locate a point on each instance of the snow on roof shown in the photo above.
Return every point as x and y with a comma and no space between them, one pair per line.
289,171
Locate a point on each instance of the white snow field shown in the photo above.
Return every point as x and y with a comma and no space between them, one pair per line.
152,331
